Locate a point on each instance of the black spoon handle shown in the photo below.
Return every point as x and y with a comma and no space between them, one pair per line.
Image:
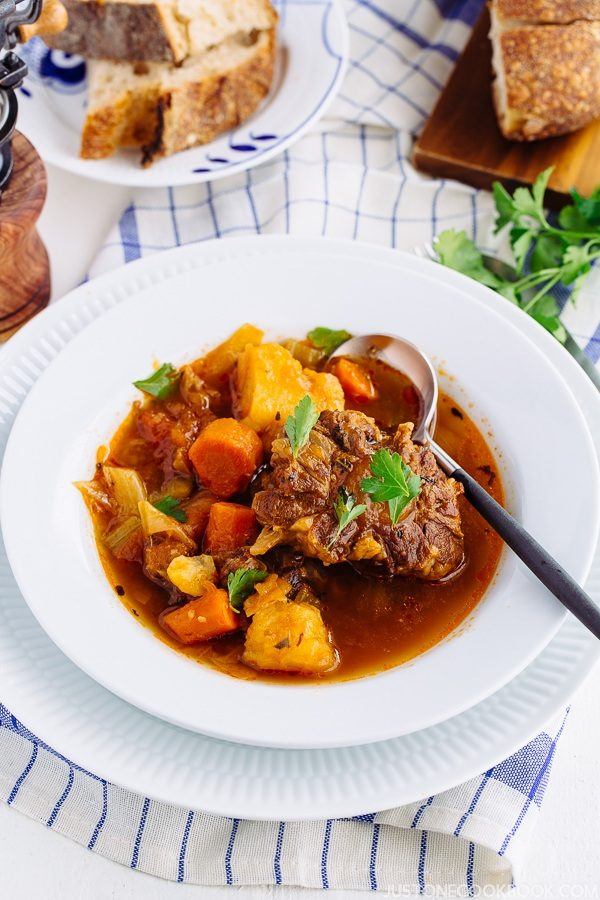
533,555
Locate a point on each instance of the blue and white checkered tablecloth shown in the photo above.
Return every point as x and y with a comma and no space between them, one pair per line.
349,177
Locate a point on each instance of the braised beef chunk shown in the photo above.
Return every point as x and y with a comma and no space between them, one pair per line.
429,539
303,486
171,428
296,506
239,559
305,576
159,551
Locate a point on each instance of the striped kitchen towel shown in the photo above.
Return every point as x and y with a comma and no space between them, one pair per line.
472,836
349,177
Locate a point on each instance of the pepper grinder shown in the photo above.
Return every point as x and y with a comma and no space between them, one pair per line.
24,264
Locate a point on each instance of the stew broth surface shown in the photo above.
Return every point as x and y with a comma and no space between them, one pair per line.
375,624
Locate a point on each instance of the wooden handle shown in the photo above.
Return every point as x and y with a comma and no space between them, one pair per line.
24,266
52,20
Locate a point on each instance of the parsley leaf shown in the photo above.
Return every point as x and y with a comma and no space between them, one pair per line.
547,253
346,510
505,209
554,255
546,312
524,204
240,585
520,240
571,219
576,262
588,207
524,211
458,252
393,482
327,339
170,506
161,383
299,425
539,188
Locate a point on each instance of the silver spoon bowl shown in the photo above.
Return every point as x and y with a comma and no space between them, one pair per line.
408,359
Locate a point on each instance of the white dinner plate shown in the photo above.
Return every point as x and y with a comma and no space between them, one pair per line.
190,299
311,60
100,732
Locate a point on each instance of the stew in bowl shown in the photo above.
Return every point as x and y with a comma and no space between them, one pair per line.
264,510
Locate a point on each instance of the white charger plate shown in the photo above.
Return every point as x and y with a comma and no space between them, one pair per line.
91,726
86,390
310,66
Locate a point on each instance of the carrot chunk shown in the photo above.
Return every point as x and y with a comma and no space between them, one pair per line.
202,618
230,526
355,381
197,510
226,455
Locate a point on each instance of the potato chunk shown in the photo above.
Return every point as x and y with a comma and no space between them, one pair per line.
273,589
270,382
190,573
289,637
217,364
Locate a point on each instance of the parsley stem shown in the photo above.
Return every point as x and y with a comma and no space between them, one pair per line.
534,278
572,236
544,290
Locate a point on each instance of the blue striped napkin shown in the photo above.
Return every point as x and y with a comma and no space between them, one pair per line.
472,836
350,177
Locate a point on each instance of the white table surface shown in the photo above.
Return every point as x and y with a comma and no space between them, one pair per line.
39,864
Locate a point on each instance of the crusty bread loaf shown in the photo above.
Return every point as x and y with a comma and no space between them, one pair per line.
167,30
164,108
547,76
539,12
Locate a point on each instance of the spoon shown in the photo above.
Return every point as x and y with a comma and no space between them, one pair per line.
412,362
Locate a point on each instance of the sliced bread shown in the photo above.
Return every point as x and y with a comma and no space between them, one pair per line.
164,108
168,30
547,76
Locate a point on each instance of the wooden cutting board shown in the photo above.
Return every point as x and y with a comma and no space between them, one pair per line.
462,140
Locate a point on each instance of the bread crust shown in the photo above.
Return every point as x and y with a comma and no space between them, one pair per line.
143,31
121,31
163,121
551,79
558,12
197,113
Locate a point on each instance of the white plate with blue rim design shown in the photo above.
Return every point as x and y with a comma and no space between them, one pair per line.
310,65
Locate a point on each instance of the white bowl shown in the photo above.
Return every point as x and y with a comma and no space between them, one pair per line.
547,460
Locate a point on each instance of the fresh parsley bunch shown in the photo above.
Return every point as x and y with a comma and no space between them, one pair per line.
554,254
